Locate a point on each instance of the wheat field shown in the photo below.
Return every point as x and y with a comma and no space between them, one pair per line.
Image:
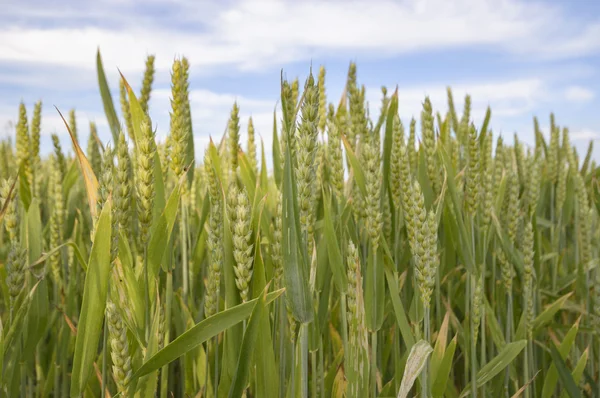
369,257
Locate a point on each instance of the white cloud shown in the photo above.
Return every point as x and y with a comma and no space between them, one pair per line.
508,98
585,135
579,94
252,34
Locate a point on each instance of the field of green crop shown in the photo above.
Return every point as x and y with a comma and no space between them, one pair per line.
370,257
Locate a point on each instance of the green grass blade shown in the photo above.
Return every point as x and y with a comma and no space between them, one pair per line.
578,370
37,319
247,174
399,311
498,364
388,137
267,372
357,170
333,249
20,316
148,383
440,347
374,290
161,234
465,249
440,379
93,305
564,375
124,283
247,350
277,156
264,172
551,378
295,269
107,102
546,316
24,189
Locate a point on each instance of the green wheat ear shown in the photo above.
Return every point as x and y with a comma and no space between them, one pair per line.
252,146
147,83
472,185
179,124
411,145
123,186
125,110
553,151
322,100
373,186
429,143
242,235
214,238
335,158
233,134
93,150
60,157
15,272
452,110
396,161
357,357
306,157
276,249
16,261
119,348
35,128
528,270
11,215
477,306
23,144
57,219
145,182
105,185
73,124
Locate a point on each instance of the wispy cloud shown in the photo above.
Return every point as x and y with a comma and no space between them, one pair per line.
251,34
585,135
579,94
507,98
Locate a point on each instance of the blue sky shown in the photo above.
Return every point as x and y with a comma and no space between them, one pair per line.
521,57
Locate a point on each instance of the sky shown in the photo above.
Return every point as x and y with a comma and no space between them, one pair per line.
523,58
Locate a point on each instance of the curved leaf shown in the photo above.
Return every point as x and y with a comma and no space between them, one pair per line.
201,332
414,365
89,178
497,365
